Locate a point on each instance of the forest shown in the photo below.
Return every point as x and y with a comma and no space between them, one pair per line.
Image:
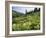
28,21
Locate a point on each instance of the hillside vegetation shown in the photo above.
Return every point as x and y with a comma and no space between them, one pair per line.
28,21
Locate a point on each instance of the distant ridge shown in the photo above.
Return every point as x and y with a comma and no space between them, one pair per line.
17,12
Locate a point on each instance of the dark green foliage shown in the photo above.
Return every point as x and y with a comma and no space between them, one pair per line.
37,10
28,21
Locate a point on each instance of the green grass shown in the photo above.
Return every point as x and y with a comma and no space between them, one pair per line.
26,22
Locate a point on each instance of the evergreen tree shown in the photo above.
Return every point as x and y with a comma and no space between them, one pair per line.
35,10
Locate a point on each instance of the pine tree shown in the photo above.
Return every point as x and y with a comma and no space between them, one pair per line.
35,10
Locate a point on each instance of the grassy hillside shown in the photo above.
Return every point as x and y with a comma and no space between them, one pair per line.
29,21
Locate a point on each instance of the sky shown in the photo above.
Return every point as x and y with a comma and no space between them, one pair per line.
22,9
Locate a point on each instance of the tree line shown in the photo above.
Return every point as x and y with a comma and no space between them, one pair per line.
33,11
